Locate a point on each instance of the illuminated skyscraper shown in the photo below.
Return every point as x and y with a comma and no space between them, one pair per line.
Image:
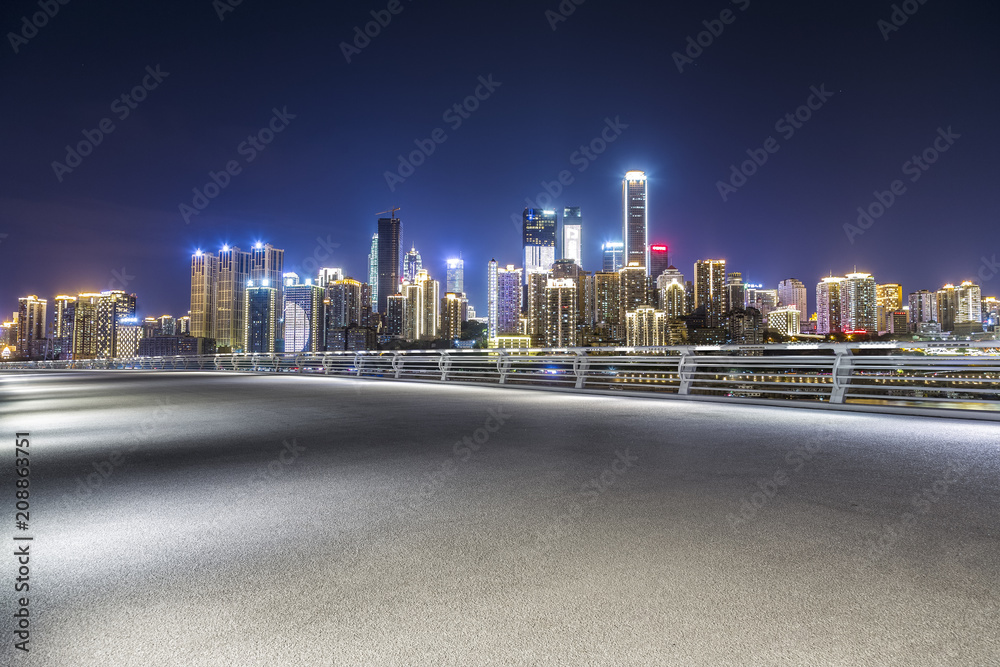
168,325
112,307
31,313
373,271
659,260
451,316
634,289
508,301
268,263
303,315
492,294
947,307
128,333
635,234
888,299
793,293
672,295
348,304
204,274
607,304
329,275
736,291
230,298
85,326
455,281
709,290
411,264
539,240
969,303
62,331
537,304
612,254
828,305
262,317
646,327
560,312
390,259
786,321
858,304
572,235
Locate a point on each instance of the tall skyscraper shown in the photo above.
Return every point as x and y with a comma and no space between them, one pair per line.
858,303
347,304
947,307
262,317
62,331
607,304
828,305
612,254
395,316
659,260
646,327
31,312
672,295
492,294
390,259
455,282
329,275
112,307
560,312
451,316
793,293
635,233
204,274
736,291
539,240
709,290
411,264
889,299
230,298
969,303
508,301
85,326
634,289
572,235
373,271
303,315
268,263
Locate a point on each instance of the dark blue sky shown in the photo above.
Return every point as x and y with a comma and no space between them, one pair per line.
115,217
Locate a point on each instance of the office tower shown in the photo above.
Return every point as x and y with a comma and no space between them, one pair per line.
168,326
634,220
793,293
348,304
421,318
858,304
508,301
746,326
85,326
395,316
888,299
607,304
432,304
923,308
646,327
560,312
390,259
62,330
828,305
262,317
899,322
150,327
672,295
572,235
613,254
268,263
634,289
373,271
128,333
183,326
204,274
329,275
455,281
451,316
709,290
736,291
969,303
411,264
537,304
786,321
659,260
492,298
764,300
539,240
112,306
413,311
31,312
303,315
947,305
230,298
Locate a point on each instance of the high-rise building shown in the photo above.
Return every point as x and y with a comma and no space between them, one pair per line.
492,298
411,264
112,307
634,289
947,307
607,304
745,326
451,315
62,330
85,326
858,304
923,308
969,303
128,333
572,236
329,275
888,299
262,317
395,316
373,271
422,310
303,314
390,259
612,254
347,304
786,320
455,281
646,327
672,296
31,312
899,322
560,312
635,234
204,274
230,298
183,326
508,301
710,290
539,240
167,326
537,304
828,305
432,304
792,293
268,263
659,260
736,291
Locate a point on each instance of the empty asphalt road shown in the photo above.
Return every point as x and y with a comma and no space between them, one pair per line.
221,519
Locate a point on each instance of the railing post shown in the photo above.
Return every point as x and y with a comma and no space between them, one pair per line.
581,364
444,364
842,369
359,362
503,366
686,368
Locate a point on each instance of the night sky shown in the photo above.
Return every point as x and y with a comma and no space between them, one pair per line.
114,220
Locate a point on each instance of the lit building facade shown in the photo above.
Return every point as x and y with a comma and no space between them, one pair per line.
390,259
303,315
539,241
888,299
560,312
923,308
451,315
710,290
31,328
646,327
828,310
572,236
230,298
635,220
412,263
858,304
612,254
204,274
785,321
112,307
792,293
262,317
659,260
455,276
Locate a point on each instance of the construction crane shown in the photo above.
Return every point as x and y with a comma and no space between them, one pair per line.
392,212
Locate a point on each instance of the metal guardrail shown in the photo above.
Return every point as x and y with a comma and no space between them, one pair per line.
942,376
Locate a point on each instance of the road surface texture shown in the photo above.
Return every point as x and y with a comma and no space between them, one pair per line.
222,519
